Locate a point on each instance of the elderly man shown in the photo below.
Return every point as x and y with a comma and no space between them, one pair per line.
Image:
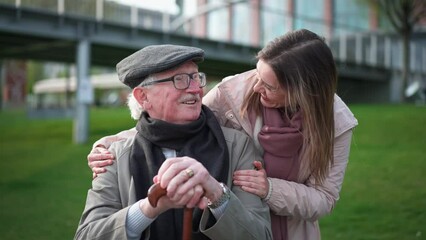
179,145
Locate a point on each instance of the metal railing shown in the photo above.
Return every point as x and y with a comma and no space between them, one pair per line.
99,10
378,50
370,48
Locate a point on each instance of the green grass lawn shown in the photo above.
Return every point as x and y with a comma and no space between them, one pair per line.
384,192
44,176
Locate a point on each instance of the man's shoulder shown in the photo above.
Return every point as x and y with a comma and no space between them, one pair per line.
122,147
233,135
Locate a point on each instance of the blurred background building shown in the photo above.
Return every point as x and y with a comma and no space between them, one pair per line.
51,51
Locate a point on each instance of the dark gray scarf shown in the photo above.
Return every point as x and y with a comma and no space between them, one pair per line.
202,140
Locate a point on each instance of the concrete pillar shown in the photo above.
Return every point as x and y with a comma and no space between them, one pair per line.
84,92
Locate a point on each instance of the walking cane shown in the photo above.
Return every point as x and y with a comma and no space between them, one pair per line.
155,192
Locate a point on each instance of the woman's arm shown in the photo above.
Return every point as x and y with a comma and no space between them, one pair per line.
99,157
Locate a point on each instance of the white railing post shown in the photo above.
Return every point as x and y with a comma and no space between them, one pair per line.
342,48
61,7
388,52
358,48
412,57
400,52
424,59
17,3
99,10
373,50
133,16
166,22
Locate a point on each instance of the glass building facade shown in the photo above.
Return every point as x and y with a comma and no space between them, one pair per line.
256,22
350,16
276,19
310,15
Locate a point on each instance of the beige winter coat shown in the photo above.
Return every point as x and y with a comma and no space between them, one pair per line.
302,202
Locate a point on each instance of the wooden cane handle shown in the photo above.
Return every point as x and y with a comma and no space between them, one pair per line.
155,192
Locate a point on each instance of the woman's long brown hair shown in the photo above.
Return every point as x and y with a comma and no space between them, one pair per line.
305,68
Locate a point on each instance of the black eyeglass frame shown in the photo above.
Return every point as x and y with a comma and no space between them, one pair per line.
172,78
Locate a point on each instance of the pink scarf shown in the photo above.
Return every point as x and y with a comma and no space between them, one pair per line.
282,140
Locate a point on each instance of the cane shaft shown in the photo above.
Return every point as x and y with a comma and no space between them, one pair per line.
155,192
187,224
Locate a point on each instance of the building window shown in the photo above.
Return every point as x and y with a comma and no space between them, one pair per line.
350,16
309,14
241,23
218,20
275,19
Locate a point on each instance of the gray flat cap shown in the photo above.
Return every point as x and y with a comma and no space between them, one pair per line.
154,59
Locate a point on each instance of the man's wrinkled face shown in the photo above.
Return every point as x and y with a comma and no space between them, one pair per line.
163,101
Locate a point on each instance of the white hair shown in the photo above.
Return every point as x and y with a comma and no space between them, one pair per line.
135,107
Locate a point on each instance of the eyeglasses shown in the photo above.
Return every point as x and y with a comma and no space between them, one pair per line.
181,81
266,86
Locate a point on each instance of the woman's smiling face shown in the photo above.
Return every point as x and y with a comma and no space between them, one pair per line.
272,95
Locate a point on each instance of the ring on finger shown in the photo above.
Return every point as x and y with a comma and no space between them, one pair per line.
189,172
